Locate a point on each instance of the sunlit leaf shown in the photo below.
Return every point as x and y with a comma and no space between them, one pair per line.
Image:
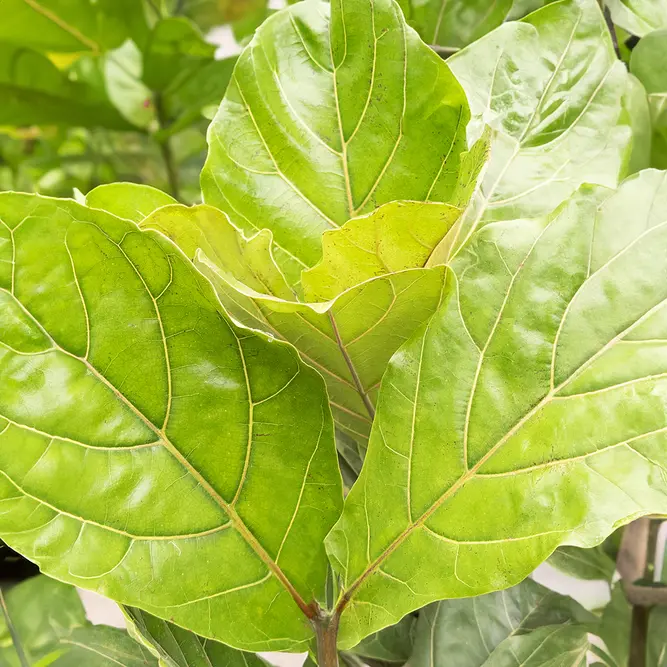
527,414
553,89
326,119
128,200
150,449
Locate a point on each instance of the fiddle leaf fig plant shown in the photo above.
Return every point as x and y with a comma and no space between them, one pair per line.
424,277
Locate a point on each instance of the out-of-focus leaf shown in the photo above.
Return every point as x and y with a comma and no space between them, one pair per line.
614,629
35,92
527,414
72,25
174,49
128,200
639,17
210,13
122,74
324,121
467,633
636,106
150,449
649,64
393,644
587,564
522,8
43,612
454,23
552,87
100,646
177,647
657,638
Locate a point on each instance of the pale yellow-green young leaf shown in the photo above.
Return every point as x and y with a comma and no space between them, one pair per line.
528,413
150,449
395,237
349,340
639,17
131,201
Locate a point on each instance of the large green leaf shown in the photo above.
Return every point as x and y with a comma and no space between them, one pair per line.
177,647
326,119
528,413
454,23
475,632
150,449
35,92
657,638
71,25
43,612
614,629
639,17
552,87
393,644
349,339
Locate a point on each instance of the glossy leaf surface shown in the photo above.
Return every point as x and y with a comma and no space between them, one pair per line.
348,340
177,647
499,434
194,460
478,632
552,88
326,119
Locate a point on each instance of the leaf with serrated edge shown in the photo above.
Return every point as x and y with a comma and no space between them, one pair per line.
528,413
326,119
466,632
151,450
349,339
130,201
552,87
177,647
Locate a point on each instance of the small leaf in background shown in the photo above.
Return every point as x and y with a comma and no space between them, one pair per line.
498,434
43,612
476,632
649,64
657,642
614,629
639,17
122,74
454,23
35,92
72,26
307,137
587,564
176,647
194,461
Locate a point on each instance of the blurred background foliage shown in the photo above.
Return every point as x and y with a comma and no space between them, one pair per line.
98,91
